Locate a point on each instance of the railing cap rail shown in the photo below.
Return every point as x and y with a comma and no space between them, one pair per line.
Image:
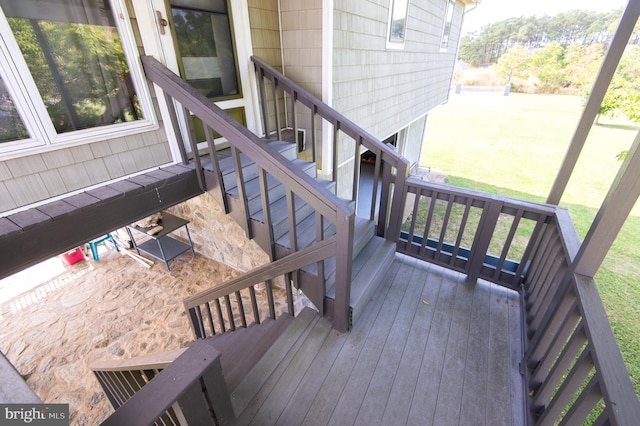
346,125
321,198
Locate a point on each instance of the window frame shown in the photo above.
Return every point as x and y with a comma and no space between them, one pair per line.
33,112
396,44
446,27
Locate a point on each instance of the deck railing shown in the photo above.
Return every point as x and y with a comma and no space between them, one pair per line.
573,369
479,234
271,165
169,389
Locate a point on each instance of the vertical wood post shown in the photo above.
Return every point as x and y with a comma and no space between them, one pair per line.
344,256
615,209
483,238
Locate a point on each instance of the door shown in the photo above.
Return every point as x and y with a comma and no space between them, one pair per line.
208,43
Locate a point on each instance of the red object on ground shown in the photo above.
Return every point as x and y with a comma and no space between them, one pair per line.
73,256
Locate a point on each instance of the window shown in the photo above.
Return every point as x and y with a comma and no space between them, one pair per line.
444,44
65,74
397,27
205,47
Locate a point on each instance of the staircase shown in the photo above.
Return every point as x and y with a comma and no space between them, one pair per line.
371,254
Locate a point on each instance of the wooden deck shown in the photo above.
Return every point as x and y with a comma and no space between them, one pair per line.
428,349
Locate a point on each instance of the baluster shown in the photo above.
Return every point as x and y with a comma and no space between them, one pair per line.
507,244
319,219
425,237
414,215
237,164
314,111
274,92
265,104
445,224
272,308
463,225
266,210
243,318
210,318
194,148
291,213
356,170
232,321
223,326
288,287
176,128
254,305
294,119
376,184
336,137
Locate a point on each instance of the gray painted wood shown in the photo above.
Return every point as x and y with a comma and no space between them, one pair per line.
422,353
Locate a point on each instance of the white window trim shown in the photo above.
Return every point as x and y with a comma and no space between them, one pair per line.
33,111
396,45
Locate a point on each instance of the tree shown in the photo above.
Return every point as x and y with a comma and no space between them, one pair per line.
548,64
582,63
513,63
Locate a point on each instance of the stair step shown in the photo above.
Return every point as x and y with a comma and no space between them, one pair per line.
249,167
282,349
270,400
279,212
367,272
276,188
363,231
242,349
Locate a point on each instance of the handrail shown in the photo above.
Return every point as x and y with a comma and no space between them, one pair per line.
205,310
191,390
270,163
248,143
387,160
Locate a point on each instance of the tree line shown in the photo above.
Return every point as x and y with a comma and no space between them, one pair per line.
485,46
563,51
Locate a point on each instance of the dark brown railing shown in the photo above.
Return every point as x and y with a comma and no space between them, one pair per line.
573,368
237,303
572,365
283,100
163,389
271,164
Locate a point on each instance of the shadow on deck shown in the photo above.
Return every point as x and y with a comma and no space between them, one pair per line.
429,349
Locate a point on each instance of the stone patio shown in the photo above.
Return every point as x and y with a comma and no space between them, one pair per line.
109,309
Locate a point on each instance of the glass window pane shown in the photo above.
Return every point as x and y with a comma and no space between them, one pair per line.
206,54
76,59
398,20
447,25
11,127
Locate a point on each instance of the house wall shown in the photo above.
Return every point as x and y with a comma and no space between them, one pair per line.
384,90
40,175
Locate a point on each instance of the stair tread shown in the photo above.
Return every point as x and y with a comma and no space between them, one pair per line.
370,264
241,349
289,339
363,230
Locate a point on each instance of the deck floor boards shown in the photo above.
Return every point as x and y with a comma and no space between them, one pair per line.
429,349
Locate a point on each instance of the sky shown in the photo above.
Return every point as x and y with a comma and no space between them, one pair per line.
490,11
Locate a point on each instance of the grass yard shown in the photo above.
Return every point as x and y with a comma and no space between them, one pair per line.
514,146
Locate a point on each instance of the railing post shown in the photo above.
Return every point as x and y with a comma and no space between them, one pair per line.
397,205
344,256
486,227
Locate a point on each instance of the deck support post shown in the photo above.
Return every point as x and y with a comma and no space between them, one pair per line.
615,209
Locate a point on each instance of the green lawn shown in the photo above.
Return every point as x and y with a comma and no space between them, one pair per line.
514,146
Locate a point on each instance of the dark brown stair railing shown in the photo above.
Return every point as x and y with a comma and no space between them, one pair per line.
189,390
390,170
269,161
